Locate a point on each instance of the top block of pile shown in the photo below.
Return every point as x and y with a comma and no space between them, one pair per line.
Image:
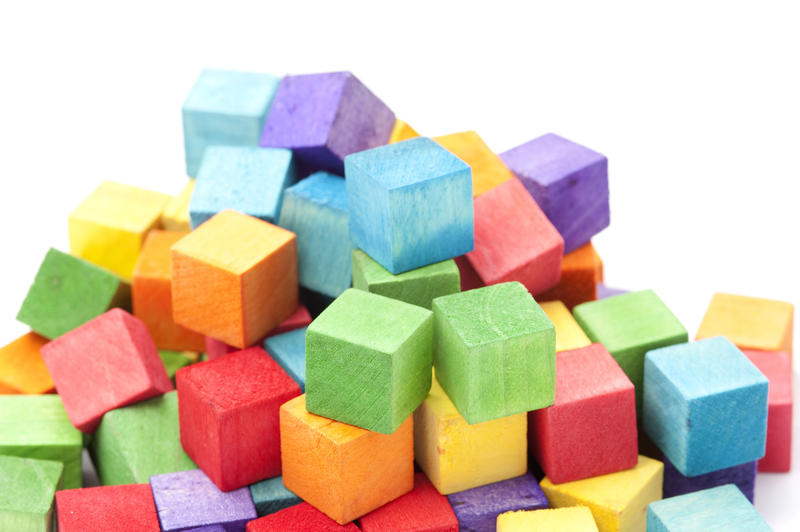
410,204
323,118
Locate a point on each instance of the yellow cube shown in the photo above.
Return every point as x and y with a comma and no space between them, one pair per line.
618,501
488,170
574,519
109,226
456,455
402,131
569,334
176,213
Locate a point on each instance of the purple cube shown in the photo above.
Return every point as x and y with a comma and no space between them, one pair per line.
324,117
568,181
604,291
744,476
188,499
477,509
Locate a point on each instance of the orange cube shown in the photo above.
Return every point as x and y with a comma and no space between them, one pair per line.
22,368
342,470
234,278
581,270
401,131
488,170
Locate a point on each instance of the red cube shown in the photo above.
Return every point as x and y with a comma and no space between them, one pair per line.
108,362
128,508
228,411
591,428
298,518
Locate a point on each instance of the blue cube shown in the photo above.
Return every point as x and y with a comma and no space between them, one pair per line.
315,209
270,496
720,508
225,107
246,179
705,405
289,351
410,204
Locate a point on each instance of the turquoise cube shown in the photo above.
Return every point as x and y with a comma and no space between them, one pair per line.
410,204
289,351
225,107
720,508
270,496
242,178
705,405
315,209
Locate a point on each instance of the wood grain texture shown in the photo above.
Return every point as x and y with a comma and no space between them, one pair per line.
569,334
410,204
743,476
130,508
234,278
401,131
22,369
229,416
574,519
300,518
27,490
270,496
494,351
580,273
289,351
175,216
342,470
488,170
514,240
108,362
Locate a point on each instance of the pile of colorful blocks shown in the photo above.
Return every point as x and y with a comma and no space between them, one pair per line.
460,323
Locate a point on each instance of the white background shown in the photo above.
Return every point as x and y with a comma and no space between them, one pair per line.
695,104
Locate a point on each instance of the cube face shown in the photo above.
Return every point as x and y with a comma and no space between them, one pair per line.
575,519
299,518
688,389
385,185
289,351
368,360
742,476
569,182
315,209
28,489
270,496
488,170
225,108
247,179
128,506
175,216
720,508
581,270
569,334
401,131
494,351
22,369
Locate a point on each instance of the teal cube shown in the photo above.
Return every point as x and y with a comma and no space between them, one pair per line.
27,490
289,351
723,508
494,351
270,496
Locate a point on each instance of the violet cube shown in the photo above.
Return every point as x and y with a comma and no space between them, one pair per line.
568,181
743,476
324,117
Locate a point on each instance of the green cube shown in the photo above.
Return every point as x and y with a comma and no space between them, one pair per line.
368,360
37,426
69,291
173,361
27,490
418,287
629,325
135,442
494,351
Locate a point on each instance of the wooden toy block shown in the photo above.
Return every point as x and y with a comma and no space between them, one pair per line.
151,293
22,369
469,277
742,476
270,496
580,271
234,278
720,508
514,240
568,181
36,426
401,131
289,351
572,519
630,325
604,291
689,389
109,227
368,360
247,179
569,334
385,184
422,509
457,456
137,441
749,322
488,170
324,117
229,416
189,499
618,501
315,209
27,489
225,108
300,518
68,292
418,287
591,428
212,528
175,360
342,470
106,363
776,367
477,509
175,216
127,508
494,351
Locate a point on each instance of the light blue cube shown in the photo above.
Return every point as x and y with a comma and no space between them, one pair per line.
246,179
410,204
723,508
315,209
289,351
705,405
270,496
227,108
